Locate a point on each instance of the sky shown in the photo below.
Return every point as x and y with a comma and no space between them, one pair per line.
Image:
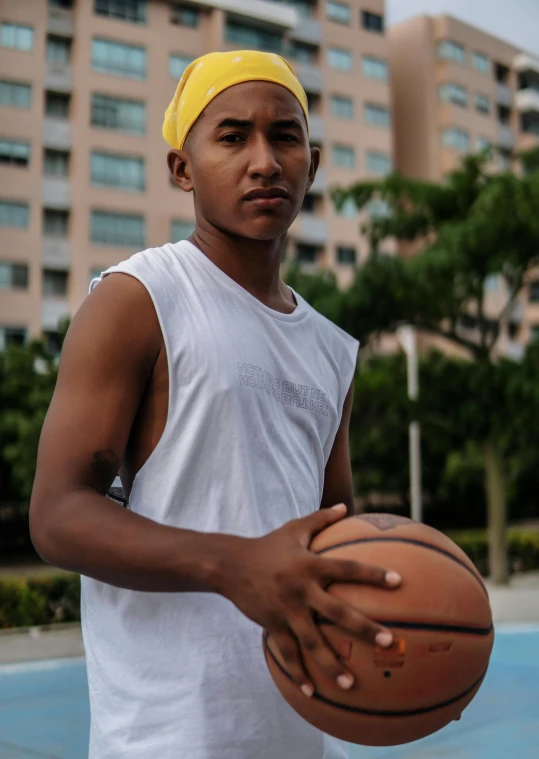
515,21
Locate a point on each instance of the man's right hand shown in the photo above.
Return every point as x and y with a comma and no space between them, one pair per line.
280,584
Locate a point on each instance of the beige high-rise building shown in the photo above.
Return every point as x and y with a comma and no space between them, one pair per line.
83,88
457,89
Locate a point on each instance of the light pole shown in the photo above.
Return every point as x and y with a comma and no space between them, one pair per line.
406,336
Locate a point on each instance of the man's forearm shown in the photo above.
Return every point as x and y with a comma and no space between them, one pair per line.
92,535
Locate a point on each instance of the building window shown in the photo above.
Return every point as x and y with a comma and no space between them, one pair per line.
453,137
54,282
181,229
372,21
346,255
58,49
529,122
56,163
453,93
492,283
12,336
379,208
378,163
481,63
184,15
338,12
504,159
482,143
53,342
118,59
342,107
108,228
306,253
15,95
13,214
374,68
482,103
303,7
340,59
121,115
309,203
533,291
302,52
125,10
13,276
177,65
451,51
117,171
65,4
17,37
57,104
348,209
252,37
14,153
343,155
55,223
376,115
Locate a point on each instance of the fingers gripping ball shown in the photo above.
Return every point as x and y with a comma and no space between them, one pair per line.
441,621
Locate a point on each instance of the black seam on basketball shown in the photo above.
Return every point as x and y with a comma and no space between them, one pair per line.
411,541
434,627
375,712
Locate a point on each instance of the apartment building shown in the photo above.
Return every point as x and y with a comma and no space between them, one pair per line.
83,88
455,90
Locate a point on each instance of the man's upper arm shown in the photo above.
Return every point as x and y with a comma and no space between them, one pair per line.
107,359
338,485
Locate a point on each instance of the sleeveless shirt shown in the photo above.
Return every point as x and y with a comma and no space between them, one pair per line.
255,401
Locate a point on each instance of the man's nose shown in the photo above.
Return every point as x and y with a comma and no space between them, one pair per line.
263,160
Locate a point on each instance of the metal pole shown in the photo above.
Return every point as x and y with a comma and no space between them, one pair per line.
407,338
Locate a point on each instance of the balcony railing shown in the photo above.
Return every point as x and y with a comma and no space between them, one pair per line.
504,95
56,193
308,30
58,77
56,133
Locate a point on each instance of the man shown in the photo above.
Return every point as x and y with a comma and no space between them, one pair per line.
224,401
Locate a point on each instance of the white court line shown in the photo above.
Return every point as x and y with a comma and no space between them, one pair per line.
40,665
518,628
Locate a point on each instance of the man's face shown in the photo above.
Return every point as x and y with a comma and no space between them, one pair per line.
251,140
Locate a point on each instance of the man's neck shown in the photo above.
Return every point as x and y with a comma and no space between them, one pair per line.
253,264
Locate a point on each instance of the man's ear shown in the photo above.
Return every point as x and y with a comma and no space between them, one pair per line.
180,170
315,162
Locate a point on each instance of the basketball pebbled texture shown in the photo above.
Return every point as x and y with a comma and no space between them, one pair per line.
441,621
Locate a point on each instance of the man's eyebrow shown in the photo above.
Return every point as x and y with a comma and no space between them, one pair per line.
235,123
245,123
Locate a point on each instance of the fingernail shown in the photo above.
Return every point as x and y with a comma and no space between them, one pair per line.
393,578
384,639
345,681
308,690
339,506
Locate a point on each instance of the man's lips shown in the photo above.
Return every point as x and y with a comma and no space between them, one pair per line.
273,197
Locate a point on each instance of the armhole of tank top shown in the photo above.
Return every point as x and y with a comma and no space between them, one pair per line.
160,442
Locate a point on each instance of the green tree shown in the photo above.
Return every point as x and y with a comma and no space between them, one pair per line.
471,227
27,379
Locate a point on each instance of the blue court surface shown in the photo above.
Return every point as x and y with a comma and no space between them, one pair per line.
44,710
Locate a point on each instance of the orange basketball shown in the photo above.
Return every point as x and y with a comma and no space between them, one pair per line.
441,621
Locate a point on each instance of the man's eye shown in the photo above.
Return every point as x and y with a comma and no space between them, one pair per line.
235,137
287,137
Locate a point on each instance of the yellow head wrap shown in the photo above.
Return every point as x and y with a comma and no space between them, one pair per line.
209,75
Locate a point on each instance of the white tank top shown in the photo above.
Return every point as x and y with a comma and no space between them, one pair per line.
255,400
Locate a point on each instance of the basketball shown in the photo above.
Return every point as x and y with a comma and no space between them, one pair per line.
441,622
